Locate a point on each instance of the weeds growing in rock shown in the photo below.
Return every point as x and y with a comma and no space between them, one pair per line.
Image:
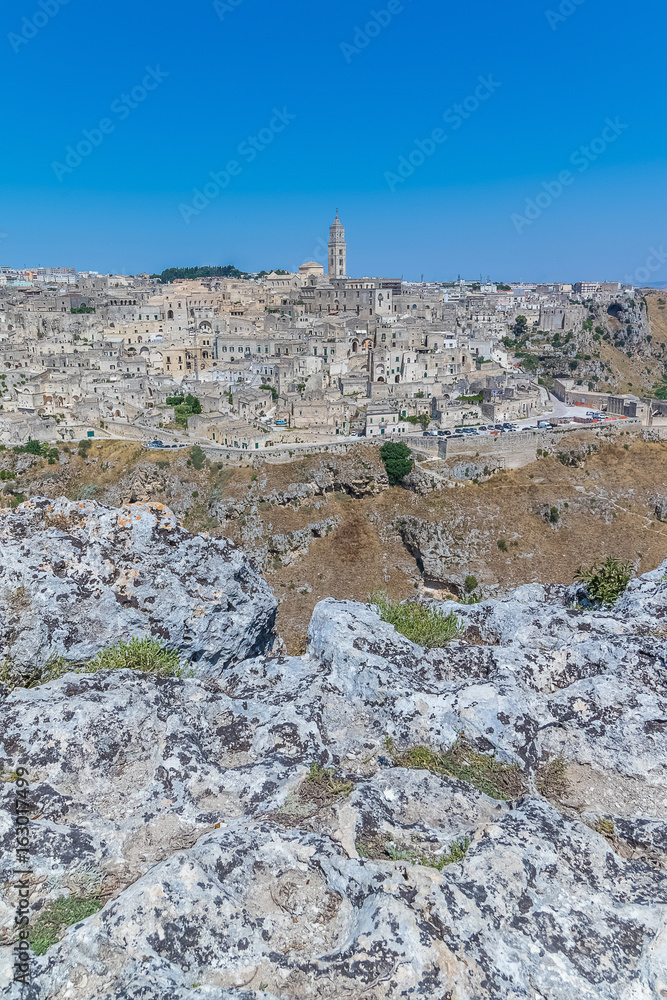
319,790
457,852
56,917
427,626
376,850
148,655
605,827
482,770
606,581
550,779
325,778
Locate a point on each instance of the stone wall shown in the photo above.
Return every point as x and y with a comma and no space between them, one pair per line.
521,448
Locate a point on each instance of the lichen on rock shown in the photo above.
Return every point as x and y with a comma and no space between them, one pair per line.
77,576
270,827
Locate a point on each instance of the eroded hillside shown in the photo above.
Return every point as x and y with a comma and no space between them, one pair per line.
329,526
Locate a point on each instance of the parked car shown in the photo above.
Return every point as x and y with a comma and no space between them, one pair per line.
155,444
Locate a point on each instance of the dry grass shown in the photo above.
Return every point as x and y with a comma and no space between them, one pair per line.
462,761
365,551
551,778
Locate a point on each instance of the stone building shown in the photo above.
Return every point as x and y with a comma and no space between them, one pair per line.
337,250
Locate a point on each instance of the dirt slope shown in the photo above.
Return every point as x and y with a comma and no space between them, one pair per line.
343,546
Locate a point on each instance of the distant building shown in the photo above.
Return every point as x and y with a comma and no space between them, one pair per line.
337,250
587,288
50,275
311,268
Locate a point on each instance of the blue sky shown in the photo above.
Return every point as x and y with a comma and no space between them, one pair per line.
357,86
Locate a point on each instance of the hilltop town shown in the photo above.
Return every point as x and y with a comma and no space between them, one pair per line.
278,360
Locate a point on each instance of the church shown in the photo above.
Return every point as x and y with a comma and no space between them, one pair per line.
334,294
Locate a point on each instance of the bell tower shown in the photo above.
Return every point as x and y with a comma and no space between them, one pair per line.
337,250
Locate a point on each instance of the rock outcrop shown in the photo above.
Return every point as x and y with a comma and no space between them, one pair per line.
269,829
77,576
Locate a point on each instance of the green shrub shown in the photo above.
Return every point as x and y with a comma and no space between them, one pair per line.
6,474
425,625
470,584
148,655
31,448
502,545
197,457
423,419
606,581
397,461
84,447
554,516
184,407
56,917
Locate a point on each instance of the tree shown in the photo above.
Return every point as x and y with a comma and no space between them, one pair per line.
521,326
197,457
174,273
397,461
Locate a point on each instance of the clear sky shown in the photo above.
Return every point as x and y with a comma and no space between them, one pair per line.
317,106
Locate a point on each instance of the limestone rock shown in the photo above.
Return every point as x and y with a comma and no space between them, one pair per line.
76,577
421,482
227,862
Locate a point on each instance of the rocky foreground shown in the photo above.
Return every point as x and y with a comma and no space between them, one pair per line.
270,827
